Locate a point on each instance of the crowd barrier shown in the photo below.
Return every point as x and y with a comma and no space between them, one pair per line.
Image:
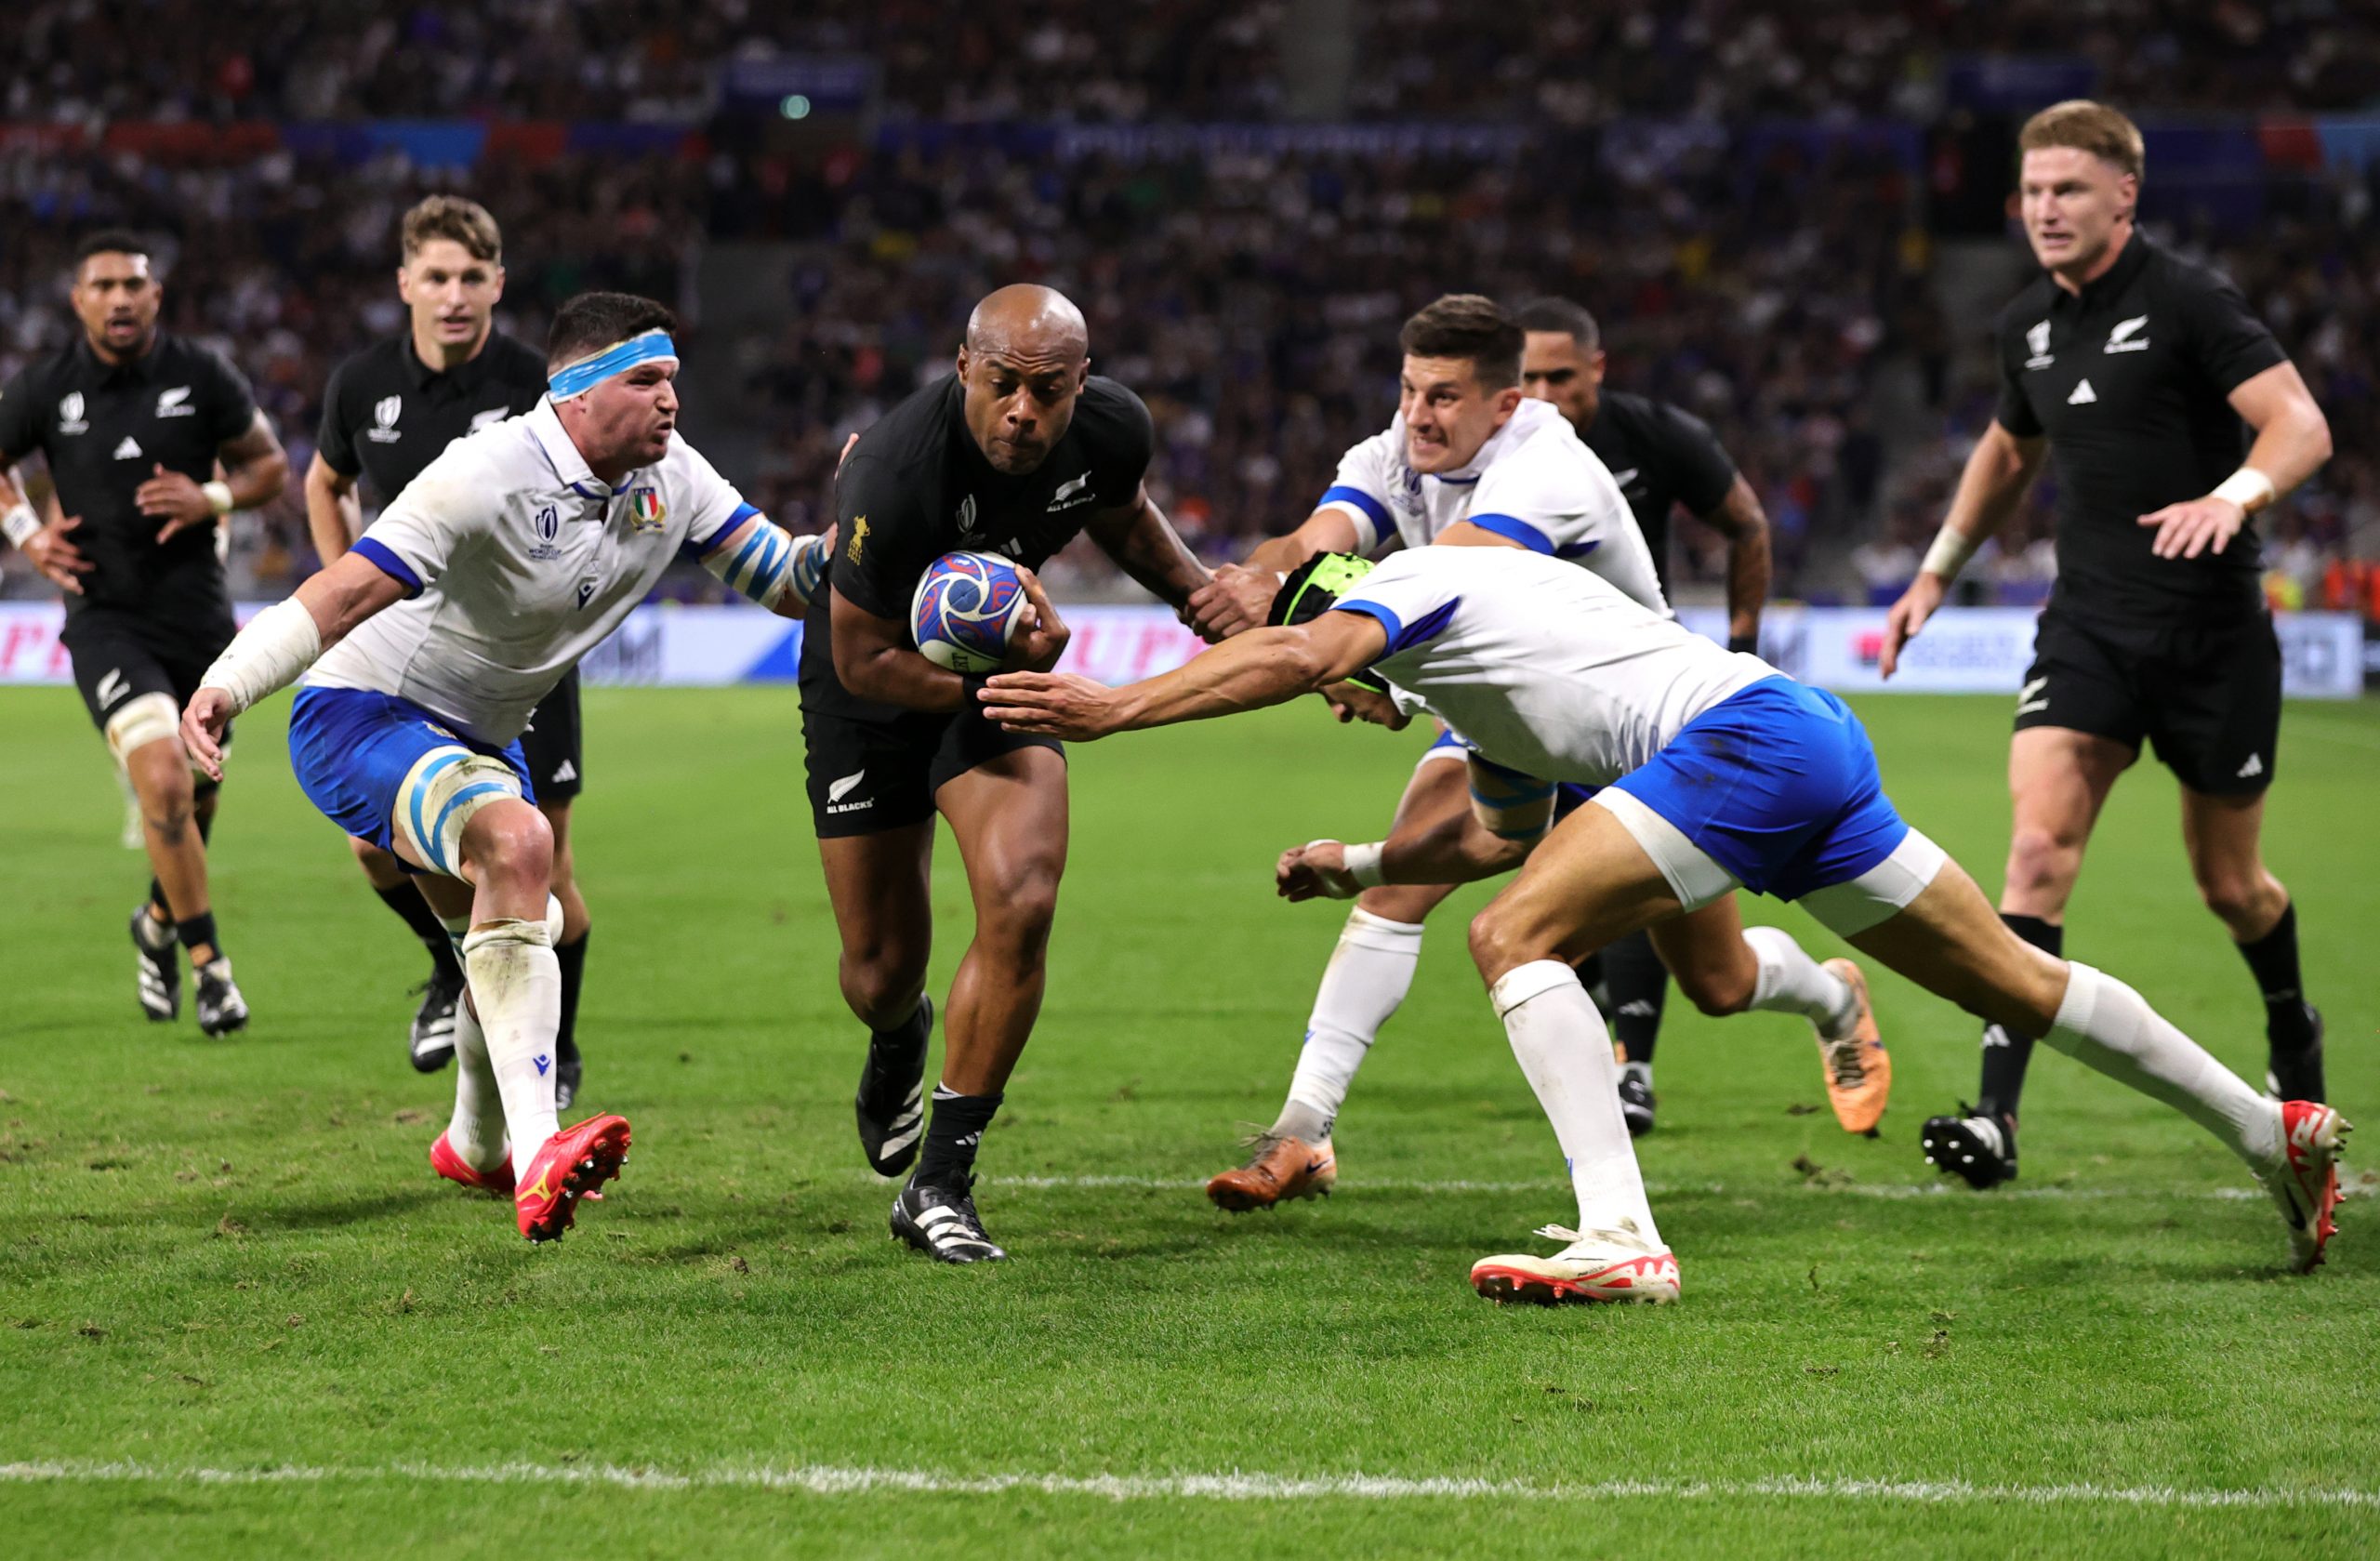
1972,650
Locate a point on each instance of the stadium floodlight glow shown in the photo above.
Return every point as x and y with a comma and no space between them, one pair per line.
795,106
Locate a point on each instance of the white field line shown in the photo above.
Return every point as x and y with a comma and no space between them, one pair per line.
1657,1189
835,1480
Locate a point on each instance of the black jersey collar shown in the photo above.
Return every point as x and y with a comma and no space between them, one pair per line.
141,369
465,376
2112,282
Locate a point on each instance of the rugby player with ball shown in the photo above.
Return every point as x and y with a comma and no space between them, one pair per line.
1001,464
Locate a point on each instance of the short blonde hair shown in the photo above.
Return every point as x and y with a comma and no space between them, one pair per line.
451,217
2087,127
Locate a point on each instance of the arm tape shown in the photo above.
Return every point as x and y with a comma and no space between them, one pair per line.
1364,867
20,523
1949,553
767,564
278,644
2248,488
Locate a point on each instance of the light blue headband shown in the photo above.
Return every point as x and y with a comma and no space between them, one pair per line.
587,373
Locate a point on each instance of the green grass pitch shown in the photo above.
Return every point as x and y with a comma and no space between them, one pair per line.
239,1317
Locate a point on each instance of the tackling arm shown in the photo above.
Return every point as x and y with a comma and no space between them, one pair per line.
779,570
1510,812
1239,596
1247,672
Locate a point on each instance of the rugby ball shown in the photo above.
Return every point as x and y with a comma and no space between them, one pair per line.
966,608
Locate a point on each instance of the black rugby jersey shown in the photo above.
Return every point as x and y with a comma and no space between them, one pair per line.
2130,382
917,487
385,414
1662,457
105,429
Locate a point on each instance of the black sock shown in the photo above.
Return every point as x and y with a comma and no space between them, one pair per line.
953,1134
415,912
197,930
571,957
2004,1051
157,898
2289,1027
1639,983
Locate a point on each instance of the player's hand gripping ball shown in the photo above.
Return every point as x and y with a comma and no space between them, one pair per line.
967,608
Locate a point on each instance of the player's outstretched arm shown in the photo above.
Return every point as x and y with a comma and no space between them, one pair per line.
1264,667
1999,469
1239,596
767,564
278,646
1144,545
2293,441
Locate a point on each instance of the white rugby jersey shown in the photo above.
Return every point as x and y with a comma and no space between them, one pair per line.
518,561
1543,668
1534,482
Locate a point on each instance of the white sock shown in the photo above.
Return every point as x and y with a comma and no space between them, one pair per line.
1369,975
517,983
1790,982
1566,1052
2107,1025
477,1131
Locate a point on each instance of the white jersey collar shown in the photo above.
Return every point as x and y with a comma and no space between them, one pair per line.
562,454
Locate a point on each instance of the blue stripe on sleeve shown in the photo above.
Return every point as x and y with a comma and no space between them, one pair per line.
388,564
1513,529
1387,616
1340,493
1577,550
1422,631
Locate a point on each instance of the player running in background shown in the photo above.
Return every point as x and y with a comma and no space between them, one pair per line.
2137,370
1717,773
1468,461
1017,453
1663,458
132,422
424,648
387,413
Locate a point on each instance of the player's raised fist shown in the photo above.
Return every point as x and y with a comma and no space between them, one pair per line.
203,725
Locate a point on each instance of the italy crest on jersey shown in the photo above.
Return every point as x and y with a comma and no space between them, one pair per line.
646,509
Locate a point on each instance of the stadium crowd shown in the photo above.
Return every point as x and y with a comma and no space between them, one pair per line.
1250,291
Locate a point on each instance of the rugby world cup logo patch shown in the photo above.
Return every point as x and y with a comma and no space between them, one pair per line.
549,523
70,413
646,509
385,412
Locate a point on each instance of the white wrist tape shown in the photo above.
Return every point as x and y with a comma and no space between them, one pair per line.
278,644
1950,553
218,496
2248,488
1364,865
20,523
